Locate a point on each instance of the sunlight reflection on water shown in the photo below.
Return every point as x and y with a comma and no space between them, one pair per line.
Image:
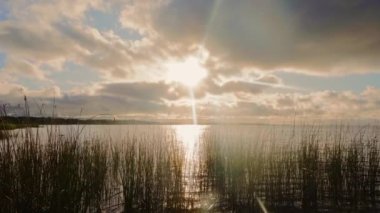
190,136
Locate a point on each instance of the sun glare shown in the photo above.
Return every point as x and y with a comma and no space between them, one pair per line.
190,136
189,72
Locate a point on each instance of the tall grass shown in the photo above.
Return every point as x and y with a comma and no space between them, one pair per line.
65,174
60,176
312,170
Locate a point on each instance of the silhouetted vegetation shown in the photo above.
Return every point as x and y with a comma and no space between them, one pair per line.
312,172
64,174
308,171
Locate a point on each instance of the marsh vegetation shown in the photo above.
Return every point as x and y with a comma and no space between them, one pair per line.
189,168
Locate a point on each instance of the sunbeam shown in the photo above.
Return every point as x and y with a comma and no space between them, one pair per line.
213,14
193,107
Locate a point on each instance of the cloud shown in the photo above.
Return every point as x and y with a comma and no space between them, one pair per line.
324,37
270,79
171,91
44,37
148,91
20,39
160,100
139,15
23,68
15,91
9,89
240,42
51,11
234,87
267,35
328,104
101,104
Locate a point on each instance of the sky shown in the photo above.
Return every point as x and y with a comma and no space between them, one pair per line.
240,61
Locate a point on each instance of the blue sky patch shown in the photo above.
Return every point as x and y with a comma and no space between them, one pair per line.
3,58
109,20
4,11
32,84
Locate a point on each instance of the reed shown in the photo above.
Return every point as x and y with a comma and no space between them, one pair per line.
314,171
311,170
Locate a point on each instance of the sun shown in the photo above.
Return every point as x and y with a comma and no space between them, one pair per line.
188,72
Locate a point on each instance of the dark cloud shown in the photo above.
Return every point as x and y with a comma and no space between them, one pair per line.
270,79
103,104
308,36
154,91
158,91
327,16
25,40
